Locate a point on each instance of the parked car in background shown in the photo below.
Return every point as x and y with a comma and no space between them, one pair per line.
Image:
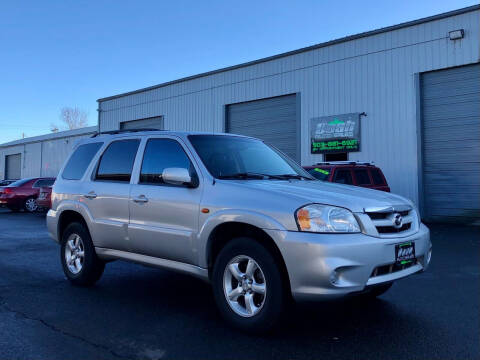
6,182
350,173
44,200
22,194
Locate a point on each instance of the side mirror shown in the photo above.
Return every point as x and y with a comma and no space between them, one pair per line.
177,176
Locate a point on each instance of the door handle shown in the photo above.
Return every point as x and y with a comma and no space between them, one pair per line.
140,199
90,195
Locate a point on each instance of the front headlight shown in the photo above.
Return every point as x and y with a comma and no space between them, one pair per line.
326,219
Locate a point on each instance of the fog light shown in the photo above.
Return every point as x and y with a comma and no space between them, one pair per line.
334,277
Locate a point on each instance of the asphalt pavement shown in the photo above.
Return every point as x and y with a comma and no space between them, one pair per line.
136,312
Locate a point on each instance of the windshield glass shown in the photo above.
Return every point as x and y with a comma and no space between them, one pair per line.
233,156
19,183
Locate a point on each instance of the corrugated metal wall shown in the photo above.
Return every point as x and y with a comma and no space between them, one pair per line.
374,74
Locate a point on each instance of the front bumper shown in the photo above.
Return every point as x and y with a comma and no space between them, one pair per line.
324,266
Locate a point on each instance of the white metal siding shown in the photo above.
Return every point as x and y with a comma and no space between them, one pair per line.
374,74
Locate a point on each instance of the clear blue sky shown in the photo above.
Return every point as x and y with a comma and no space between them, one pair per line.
70,53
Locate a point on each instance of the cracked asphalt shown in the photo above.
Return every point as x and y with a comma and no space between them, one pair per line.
135,312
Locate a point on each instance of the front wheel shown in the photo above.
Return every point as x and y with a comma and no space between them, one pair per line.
248,286
79,260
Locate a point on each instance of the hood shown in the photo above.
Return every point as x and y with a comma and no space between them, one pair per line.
351,197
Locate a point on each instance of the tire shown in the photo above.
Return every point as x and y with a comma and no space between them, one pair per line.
376,291
267,309
88,269
30,205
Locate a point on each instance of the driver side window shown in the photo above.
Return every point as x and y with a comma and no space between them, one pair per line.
161,154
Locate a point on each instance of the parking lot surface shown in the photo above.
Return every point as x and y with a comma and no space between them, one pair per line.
135,312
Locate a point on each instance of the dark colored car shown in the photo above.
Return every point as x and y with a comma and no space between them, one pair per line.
350,173
44,199
22,194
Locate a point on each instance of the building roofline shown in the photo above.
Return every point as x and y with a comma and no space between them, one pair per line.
301,50
51,136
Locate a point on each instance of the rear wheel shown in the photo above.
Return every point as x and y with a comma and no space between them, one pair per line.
30,205
248,286
79,260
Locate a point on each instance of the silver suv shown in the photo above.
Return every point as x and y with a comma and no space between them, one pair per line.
235,212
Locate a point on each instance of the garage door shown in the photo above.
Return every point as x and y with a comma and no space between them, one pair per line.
273,120
150,123
451,144
13,166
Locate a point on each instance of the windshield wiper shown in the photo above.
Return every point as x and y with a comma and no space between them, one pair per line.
250,175
293,176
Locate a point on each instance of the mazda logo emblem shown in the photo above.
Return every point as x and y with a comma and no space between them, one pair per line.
397,221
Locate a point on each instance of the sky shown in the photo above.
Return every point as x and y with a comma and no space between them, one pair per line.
58,53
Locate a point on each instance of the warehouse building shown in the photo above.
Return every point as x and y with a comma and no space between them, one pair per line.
406,97
39,155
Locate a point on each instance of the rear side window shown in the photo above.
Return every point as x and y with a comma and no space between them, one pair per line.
159,155
116,163
377,177
362,177
79,161
44,183
343,177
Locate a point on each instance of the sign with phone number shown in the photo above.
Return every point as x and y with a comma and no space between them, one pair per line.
335,134
335,145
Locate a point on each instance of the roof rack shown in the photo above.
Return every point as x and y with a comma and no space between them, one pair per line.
114,132
346,163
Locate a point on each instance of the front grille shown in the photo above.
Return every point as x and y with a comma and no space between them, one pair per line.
384,215
391,268
384,220
392,229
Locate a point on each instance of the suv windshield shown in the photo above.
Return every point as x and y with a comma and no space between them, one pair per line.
233,157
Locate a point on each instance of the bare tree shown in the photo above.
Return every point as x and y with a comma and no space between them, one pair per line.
53,128
72,117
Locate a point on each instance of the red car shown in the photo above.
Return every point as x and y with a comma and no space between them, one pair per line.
350,173
22,194
44,199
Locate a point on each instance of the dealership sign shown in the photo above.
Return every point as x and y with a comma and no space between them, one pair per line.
338,133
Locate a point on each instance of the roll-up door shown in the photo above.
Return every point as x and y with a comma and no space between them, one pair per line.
13,166
273,120
451,144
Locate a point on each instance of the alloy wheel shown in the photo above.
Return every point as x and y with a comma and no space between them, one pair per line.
31,205
244,286
74,253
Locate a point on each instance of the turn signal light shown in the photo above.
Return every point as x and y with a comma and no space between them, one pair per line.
303,218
